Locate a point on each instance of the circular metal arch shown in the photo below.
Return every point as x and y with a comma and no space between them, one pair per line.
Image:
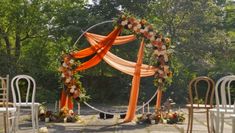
89,105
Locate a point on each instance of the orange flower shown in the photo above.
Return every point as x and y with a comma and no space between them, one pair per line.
168,40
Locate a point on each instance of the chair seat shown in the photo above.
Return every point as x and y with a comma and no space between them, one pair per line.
199,106
23,104
9,104
3,109
222,110
232,115
228,106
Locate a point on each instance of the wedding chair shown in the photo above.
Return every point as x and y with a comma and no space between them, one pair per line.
200,101
16,85
223,103
8,111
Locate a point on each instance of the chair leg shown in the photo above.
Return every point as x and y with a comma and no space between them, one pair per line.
189,119
212,122
217,122
233,125
33,118
222,122
191,124
36,115
207,120
17,118
4,122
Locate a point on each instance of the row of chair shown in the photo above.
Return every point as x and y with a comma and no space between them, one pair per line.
11,110
201,100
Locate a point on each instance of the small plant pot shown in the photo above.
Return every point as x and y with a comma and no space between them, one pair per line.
47,119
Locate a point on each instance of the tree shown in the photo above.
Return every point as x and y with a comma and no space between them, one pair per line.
195,28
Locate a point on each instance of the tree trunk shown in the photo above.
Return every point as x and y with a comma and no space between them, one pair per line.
8,45
17,46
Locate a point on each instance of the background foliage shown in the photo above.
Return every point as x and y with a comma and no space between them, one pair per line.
34,33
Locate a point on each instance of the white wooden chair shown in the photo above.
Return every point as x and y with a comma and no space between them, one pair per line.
30,93
223,103
8,110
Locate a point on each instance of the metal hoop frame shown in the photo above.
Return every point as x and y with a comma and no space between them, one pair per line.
87,104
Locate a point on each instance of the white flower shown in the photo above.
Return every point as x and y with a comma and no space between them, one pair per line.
146,29
135,28
141,30
73,87
160,80
166,58
65,65
68,80
160,71
62,75
152,38
157,52
43,130
124,22
42,111
71,61
129,26
149,45
71,90
158,39
70,111
139,26
163,47
151,33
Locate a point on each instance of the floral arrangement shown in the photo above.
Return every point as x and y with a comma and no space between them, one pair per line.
163,117
141,28
72,85
161,45
65,115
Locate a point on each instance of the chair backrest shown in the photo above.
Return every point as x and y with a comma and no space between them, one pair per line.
223,91
197,87
31,88
4,86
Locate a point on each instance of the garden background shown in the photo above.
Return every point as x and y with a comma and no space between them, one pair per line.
35,33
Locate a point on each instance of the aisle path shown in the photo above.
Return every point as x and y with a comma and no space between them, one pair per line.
92,124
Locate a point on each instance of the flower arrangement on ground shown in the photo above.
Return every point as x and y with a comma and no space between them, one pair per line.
161,117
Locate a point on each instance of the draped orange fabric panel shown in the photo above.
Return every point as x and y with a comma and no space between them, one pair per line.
98,38
65,101
119,40
122,65
94,48
128,67
135,86
107,44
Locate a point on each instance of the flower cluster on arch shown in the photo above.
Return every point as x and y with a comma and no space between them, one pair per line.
160,44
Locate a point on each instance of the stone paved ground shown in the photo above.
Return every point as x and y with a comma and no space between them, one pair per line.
92,124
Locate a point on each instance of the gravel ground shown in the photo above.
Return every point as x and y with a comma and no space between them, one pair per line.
90,123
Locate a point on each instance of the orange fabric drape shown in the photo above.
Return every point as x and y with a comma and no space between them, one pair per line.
98,38
119,40
128,67
158,100
122,65
65,101
135,86
107,44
